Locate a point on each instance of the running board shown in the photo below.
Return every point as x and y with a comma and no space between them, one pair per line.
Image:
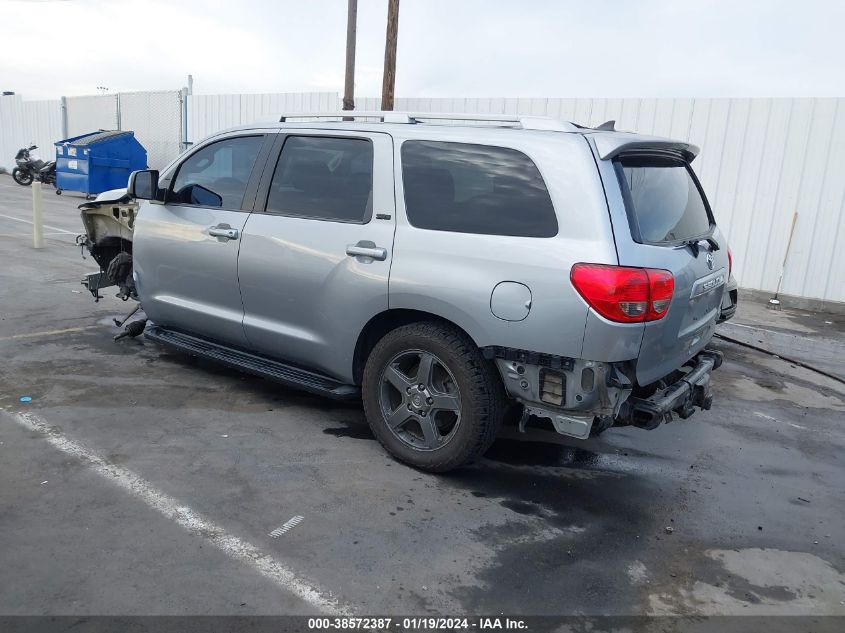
253,364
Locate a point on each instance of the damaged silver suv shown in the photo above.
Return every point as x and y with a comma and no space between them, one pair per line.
439,267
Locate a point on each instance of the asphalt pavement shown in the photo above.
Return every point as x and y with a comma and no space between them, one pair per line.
139,481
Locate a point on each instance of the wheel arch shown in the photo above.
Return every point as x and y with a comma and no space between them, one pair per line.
107,248
384,322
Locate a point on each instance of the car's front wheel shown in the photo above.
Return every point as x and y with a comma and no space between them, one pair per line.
430,397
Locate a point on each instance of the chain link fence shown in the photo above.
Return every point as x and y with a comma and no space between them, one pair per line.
156,119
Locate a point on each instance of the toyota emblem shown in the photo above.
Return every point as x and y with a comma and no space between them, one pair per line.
710,261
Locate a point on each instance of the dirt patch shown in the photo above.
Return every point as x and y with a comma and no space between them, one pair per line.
756,582
800,396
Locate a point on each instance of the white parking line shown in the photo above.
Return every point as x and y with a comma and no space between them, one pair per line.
188,519
46,226
768,417
765,417
29,235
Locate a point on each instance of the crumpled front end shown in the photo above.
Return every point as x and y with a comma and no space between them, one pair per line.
109,223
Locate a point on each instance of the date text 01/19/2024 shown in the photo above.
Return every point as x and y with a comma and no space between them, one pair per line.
417,623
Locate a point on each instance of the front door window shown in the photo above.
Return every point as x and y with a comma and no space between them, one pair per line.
217,175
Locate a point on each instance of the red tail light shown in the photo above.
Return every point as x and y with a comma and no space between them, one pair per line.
623,294
661,286
730,262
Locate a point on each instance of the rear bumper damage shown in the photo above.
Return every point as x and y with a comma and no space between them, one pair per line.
681,397
581,397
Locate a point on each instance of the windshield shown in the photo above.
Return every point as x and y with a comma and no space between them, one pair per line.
663,199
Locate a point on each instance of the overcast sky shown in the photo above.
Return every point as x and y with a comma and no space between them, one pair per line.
447,48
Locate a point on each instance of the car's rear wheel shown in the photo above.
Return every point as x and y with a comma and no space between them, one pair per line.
430,397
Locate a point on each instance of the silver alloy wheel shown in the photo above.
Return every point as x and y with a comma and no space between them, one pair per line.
420,400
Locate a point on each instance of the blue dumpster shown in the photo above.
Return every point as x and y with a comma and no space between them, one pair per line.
98,161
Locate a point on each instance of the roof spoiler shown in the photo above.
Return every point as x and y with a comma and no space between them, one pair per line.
610,145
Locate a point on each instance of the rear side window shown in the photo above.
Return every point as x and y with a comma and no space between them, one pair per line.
663,199
324,178
217,175
475,189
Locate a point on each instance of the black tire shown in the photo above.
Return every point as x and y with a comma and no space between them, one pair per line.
58,192
600,425
21,177
479,389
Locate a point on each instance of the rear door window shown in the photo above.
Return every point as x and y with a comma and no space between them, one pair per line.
324,178
665,204
469,188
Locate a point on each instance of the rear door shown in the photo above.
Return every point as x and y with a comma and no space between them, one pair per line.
668,225
315,256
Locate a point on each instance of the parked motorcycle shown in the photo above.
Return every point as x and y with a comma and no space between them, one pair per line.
31,167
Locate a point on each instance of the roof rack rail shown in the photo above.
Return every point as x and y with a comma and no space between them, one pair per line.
384,116
508,120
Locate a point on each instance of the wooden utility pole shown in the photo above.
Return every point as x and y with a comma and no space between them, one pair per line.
389,82
349,83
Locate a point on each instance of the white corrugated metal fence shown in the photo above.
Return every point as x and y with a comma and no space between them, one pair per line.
24,123
762,159
208,114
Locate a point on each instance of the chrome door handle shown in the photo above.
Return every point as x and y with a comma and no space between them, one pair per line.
223,231
365,250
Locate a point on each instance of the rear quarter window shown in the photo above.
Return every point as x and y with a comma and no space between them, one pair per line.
467,188
663,199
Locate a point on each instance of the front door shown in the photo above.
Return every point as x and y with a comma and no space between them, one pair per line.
186,249
315,256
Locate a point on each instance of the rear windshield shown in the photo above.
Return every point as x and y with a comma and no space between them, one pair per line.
663,199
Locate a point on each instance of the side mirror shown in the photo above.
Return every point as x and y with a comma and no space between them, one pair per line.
205,197
32,147
143,184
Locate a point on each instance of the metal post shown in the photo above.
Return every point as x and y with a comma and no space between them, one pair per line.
64,118
183,105
349,83
37,216
389,80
